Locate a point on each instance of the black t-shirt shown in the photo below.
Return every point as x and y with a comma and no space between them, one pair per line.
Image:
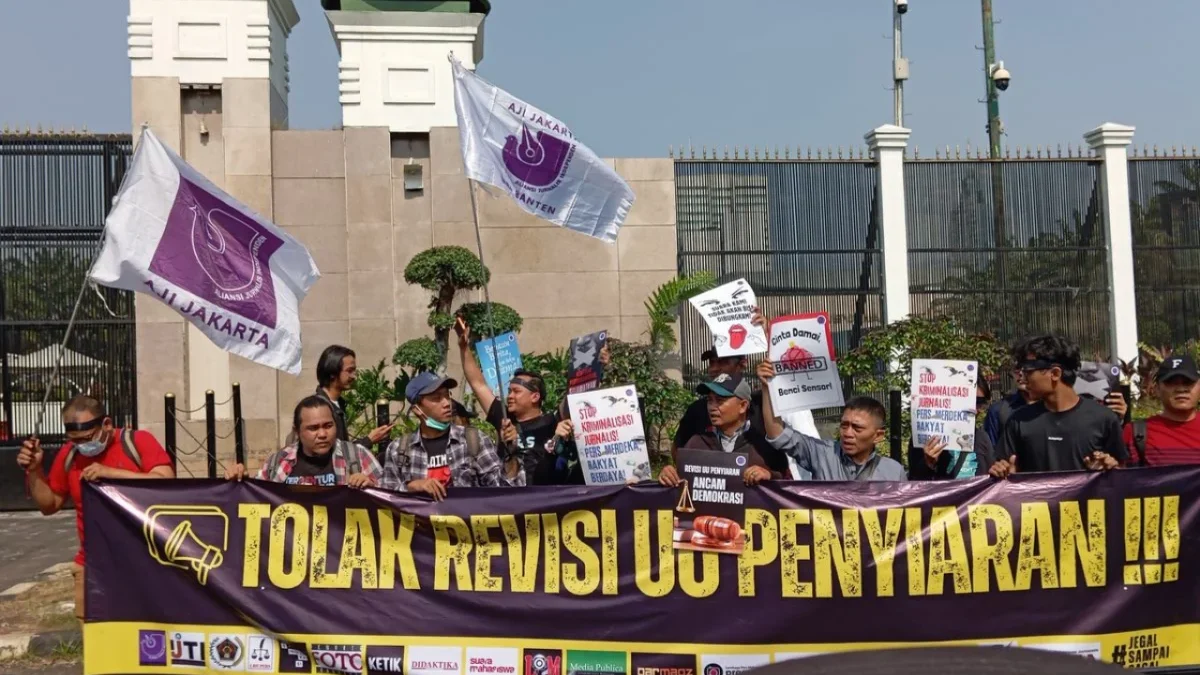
532,436
312,470
1044,440
436,457
695,422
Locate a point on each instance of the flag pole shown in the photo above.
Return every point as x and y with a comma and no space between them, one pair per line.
487,306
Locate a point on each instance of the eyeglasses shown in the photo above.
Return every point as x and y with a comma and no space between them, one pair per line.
1026,367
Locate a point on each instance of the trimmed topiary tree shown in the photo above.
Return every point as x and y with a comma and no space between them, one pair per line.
503,319
445,270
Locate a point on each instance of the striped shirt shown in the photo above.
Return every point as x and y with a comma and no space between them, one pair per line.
1167,442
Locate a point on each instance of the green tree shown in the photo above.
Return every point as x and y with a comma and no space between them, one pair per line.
662,307
445,270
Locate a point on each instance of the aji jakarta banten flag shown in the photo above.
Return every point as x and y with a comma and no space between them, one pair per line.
235,276
536,159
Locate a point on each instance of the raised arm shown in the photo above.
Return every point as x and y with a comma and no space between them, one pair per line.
471,369
771,424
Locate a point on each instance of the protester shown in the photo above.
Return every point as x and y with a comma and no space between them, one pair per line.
441,454
1061,432
1172,436
337,369
852,457
566,469
937,462
696,420
95,450
727,400
318,457
524,427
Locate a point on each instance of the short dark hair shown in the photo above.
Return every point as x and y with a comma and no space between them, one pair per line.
82,404
987,388
329,365
539,385
870,406
309,403
1053,349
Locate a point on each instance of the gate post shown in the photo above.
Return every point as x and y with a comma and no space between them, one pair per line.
1109,141
888,143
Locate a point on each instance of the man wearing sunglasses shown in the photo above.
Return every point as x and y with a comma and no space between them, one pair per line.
95,450
1062,431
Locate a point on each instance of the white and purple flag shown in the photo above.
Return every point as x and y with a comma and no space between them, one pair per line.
536,159
237,277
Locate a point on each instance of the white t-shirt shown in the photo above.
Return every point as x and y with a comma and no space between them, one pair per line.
803,422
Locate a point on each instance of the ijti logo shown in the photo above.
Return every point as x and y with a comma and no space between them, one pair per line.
152,648
226,652
543,662
214,251
338,659
294,658
260,654
537,160
385,660
187,650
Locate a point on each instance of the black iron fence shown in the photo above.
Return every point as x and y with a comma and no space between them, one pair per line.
1164,196
54,194
805,234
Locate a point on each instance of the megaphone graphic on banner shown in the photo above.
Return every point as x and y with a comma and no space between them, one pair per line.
190,537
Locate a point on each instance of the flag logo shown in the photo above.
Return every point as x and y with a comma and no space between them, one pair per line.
538,160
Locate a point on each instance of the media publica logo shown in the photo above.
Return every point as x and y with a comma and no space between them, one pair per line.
543,662
385,660
187,650
219,254
538,159
152,648
226,652
294,657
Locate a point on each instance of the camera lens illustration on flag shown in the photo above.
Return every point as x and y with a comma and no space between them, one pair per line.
236,277
536,159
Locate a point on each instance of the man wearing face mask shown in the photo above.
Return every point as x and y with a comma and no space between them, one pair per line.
317,457
95,450
441,454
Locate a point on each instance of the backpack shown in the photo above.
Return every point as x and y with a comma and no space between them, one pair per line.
353,465
127,445
1139,441
474,445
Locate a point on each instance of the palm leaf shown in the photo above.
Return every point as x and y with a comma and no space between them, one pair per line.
663,304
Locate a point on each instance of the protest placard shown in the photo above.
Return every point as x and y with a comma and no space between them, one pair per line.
727,310
711,512
806,375
943,403
609,435
585,370
1097,379
510,359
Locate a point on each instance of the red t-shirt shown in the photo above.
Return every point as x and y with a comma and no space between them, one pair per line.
67,484
1167,442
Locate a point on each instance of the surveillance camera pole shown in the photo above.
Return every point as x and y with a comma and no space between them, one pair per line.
993,96
897,64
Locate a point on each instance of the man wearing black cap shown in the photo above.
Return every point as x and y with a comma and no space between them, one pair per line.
727,402
1172,436
441,454
523,426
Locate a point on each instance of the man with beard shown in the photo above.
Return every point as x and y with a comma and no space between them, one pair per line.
1172,436
318,457
337,369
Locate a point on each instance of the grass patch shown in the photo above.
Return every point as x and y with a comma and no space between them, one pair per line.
36,610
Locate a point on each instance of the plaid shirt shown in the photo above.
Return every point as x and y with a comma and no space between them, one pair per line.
285,460
483,470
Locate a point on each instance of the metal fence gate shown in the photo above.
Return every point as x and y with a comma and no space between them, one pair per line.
54,194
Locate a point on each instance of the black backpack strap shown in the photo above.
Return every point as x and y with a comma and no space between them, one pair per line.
473,442
130,448
1139,441
960,459
353,465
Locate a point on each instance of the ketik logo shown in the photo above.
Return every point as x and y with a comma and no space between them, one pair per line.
385,660
1151,540
543,662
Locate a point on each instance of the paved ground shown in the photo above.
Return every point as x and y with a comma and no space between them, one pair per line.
61,669
31,542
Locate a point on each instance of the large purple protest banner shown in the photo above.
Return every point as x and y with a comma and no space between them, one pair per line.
262,577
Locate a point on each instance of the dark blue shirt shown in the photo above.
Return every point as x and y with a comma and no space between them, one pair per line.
992,423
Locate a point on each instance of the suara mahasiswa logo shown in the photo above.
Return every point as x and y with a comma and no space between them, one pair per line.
537,160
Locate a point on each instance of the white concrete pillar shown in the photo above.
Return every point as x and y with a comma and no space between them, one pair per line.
888,143
1110,140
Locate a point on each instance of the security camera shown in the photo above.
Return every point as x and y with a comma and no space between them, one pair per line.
1001,76
901,6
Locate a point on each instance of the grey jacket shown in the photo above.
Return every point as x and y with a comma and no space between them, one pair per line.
826,460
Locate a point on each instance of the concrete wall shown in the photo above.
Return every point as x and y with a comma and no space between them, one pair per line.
341,193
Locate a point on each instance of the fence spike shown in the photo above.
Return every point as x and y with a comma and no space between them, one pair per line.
957,152
818,153
727,151
916,152
1193,151
808,153
1156,149
5,128
937,152
671,151
787,152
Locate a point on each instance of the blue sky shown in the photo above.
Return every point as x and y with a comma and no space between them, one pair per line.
633,76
